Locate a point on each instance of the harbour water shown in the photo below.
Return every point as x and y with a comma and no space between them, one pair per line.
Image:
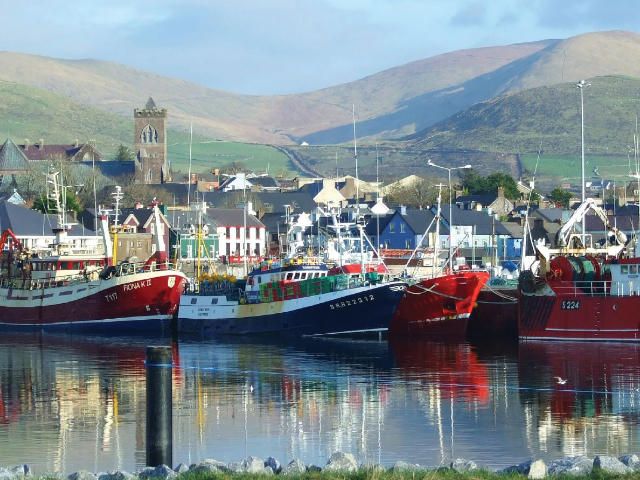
70,402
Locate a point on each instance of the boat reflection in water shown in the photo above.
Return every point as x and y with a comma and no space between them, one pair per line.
66,401
596,410
69,403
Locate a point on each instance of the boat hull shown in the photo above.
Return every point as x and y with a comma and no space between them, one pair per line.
440,306
496,313
144,302
360,309
548,315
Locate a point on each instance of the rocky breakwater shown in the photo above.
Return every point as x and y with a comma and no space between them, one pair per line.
579,466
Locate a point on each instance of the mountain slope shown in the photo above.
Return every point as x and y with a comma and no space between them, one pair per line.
547,117
32,113
583,56
119,89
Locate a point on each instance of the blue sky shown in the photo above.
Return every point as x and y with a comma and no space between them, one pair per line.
287,46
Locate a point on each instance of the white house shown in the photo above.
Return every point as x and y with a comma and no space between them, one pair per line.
234,239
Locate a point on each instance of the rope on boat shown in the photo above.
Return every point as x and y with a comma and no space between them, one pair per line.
509,298
431,290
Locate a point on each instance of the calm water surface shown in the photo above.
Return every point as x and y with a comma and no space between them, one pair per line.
69,403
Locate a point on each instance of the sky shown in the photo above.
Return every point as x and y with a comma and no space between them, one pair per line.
290,46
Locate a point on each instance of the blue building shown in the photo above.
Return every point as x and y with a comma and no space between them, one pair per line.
401,228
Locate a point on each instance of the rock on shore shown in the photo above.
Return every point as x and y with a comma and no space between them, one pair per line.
345,462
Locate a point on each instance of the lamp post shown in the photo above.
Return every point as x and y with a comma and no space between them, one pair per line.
449,169
581,86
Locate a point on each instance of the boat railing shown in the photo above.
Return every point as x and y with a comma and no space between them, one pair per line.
120,270
597,288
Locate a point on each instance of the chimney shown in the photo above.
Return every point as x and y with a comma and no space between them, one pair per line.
76,143
26,144
194,179
216,172
500,192
403,210
41,144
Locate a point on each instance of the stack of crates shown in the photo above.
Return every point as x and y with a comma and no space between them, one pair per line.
342,282
270,292
311,286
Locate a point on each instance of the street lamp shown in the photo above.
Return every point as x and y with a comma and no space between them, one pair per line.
581,85
449,169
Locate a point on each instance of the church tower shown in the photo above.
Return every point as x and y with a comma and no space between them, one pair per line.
150,143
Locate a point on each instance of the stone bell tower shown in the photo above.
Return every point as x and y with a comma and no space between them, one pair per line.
150,143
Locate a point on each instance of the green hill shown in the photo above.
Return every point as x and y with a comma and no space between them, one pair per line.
32,113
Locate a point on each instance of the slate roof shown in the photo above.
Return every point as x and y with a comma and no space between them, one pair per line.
181,218
35,152
26,222
482,199
232,217
272,220
371,228
301,202
626,223
419,220
264,181
484,223
114,168
549,214
142,215
12,159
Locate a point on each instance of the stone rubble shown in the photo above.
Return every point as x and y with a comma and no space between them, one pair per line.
535,469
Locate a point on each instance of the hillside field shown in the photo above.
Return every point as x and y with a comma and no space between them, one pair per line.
209,154
567,168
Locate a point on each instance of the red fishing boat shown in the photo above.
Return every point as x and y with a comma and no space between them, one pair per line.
64,288
581,291
439,305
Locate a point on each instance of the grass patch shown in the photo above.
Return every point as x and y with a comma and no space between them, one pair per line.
209,154
567,167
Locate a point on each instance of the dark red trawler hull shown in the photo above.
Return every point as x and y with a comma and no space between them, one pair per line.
578,317
495,314
438,307
107,306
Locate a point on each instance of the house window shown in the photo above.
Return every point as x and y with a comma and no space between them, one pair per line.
392,228
407,244
402,229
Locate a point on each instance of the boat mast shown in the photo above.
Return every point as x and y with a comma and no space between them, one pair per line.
358,225
117,196
436,249
377,201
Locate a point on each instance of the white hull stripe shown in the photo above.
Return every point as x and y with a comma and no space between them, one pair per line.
442,319
342,332
582,339
91,322
602,330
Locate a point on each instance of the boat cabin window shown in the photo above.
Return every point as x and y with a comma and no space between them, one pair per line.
633,269
259,279
624,269
296,276
303,276
213,301
289,276
193,301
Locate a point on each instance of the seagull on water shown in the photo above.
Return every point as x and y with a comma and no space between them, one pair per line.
560,380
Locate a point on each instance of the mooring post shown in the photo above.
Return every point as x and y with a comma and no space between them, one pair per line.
159,407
